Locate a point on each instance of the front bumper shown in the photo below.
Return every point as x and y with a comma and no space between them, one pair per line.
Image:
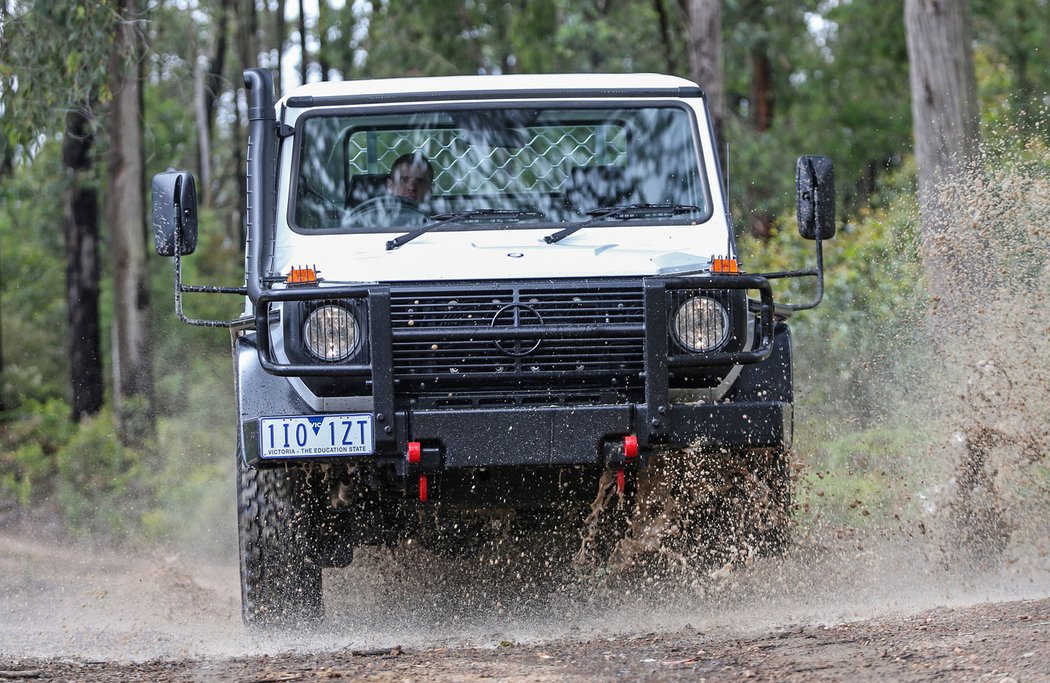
582,435
561,433
554,435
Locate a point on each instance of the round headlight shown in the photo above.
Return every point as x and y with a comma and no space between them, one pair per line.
331,334
701,324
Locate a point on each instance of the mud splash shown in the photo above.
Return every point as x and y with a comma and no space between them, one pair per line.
689,511
963,517
994,373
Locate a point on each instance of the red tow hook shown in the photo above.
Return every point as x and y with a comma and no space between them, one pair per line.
630,452
414,457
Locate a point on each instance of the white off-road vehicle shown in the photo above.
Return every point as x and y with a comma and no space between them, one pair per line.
559,308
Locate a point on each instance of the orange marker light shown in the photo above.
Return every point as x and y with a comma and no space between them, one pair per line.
302,276
726,266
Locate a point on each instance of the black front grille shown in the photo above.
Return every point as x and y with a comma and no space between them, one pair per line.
587,357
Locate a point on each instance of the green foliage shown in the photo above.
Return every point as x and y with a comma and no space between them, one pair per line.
52,75
1011,64
194,466
32,277
838,86
849,350
82,470
177,489
860,478
98,484
30,439
448,37
608,37
170,138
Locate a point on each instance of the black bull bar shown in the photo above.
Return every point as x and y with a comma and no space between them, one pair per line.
658,358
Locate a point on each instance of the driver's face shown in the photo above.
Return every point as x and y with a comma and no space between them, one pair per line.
411,181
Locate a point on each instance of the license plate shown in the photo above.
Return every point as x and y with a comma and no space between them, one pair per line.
316,436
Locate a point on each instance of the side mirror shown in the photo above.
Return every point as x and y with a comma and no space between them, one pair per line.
174,208
815,196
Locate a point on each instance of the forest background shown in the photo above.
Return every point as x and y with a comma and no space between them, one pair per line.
117,419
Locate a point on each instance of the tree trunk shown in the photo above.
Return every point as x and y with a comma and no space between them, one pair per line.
761,88
132,358
278,39
944,114
323,23
705,57
82,269
200,109
303,56
216,65
665,36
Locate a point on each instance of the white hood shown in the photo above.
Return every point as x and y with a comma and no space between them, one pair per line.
504,254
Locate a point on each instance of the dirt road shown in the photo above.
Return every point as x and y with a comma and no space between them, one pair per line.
990,642
75,613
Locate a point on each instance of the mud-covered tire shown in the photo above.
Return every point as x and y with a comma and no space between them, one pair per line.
280,578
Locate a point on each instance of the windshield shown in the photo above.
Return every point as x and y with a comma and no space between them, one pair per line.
535,166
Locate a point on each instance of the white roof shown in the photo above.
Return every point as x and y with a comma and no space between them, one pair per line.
508,82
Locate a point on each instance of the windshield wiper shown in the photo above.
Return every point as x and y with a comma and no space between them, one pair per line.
625,211
506,215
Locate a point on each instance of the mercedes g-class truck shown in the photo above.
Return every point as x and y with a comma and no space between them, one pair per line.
556,308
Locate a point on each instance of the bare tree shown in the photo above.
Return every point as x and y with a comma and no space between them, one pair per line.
303,55
132,359
761,88
323,22
207,86
200,109
945,118
82,268
279,36
665,35
217,62
705,56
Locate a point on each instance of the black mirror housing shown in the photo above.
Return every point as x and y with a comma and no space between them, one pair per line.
174,209
815,197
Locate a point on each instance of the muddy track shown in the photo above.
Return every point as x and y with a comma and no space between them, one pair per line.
76,613
998,642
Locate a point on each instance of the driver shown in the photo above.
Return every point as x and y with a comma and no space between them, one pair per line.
411,177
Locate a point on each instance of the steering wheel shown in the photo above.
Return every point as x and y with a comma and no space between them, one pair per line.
386,211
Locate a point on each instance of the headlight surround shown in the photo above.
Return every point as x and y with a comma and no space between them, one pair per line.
701,324
331,334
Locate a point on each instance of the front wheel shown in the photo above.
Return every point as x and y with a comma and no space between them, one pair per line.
280,578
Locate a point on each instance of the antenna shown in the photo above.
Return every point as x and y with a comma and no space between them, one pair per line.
729,233
727,173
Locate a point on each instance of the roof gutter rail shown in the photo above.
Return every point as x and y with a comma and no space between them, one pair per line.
260,173
303,101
